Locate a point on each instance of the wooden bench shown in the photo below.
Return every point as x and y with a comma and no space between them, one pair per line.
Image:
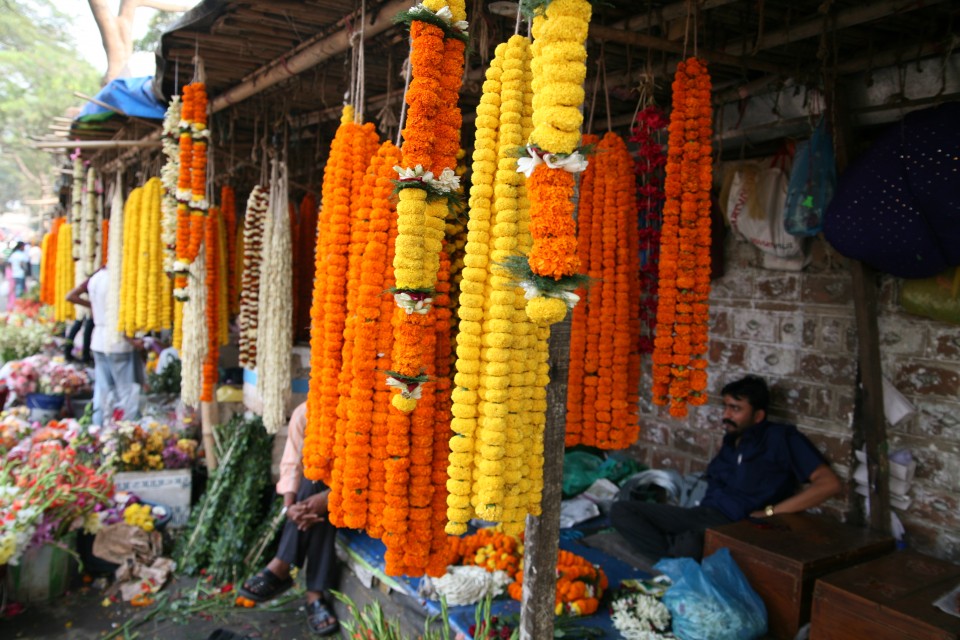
782,557
890,597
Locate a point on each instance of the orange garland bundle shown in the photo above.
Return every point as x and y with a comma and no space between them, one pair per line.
601,404
192,180
212,312
679,368
350,152
104,238
580,585
48,270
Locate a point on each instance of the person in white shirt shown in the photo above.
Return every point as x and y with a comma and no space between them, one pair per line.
35,253
115,362
19,262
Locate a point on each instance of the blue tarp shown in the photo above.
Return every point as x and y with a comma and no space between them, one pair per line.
132,96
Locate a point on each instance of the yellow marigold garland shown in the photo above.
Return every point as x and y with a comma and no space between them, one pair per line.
679,366
64,277
132,216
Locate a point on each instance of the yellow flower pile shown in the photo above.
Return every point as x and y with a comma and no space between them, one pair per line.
139,515
499,399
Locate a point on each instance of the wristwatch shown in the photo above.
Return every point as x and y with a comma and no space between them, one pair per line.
768,510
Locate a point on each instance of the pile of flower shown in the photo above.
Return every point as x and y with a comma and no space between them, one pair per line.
46,491
637,612
129,446
43,374
20,339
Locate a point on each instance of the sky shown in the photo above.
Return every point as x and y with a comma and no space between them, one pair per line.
87,36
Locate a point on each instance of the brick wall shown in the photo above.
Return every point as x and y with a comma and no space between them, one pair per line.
797,329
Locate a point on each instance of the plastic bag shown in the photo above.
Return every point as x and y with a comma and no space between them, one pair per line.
937,297
582,469
755,207
713,601
812,182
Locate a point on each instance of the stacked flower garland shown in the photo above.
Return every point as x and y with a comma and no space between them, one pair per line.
87,228
496,463
679,368
48,268
192,180
601,404
649,168
350,152
115,264
550,273
169,176
64,278
195,342
211,309
253,223
275,332
426,182
145,303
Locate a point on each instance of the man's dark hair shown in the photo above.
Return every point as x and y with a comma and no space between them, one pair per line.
18,247
753,389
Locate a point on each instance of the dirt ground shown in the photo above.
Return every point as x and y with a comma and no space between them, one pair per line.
82,615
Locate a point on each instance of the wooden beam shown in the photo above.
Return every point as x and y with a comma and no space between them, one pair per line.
667,13
599,32
866,12
97,144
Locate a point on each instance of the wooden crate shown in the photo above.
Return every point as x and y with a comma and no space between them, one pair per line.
782,557
890,597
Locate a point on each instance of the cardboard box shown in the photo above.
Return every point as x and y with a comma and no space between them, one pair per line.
169,487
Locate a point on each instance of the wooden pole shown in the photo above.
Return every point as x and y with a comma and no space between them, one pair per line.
209,418
869,396
543,533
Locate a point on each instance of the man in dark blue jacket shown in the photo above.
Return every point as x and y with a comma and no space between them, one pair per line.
755,474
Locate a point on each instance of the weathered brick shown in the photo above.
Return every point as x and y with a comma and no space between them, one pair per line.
944,343
929,379
845,406
655,434
697,444
732,287
834,447
839,370
753,325
719,323
810,331
834,332
937,420
938,508
937,468
789,399
781,286
899,335
775,307
770,360
827,289
790,331
724,354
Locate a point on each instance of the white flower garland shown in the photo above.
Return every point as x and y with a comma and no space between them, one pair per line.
194,350
275,330
571,163
641,617
468,584
253,223
115,262
168,177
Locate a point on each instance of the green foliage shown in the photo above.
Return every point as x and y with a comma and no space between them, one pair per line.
41,70
168,380
226,523
160,22
370,622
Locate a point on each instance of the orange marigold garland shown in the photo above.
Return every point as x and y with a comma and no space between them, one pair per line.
192,180
580,585
679,366
328,311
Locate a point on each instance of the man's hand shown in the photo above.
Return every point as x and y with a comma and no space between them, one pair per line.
311,511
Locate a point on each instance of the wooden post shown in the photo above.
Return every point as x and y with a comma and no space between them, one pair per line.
871,427
209,418
543,533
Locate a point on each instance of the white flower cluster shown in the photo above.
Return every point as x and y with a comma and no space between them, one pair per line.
571,163
531,291
169,175
641,617
412,304
444,14
406,390
447,182
462,585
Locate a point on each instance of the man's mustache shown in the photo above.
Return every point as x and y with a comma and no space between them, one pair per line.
729,423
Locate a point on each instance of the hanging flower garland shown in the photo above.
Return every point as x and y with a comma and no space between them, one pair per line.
495,464
679,366
651,159
115,263
192,179
48,268
253,225
65,278
275,330
193,353
169,176
211,309
550,273
352,147
431,140
126,320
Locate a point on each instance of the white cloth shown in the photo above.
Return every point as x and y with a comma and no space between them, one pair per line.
36,255
97,287
115,385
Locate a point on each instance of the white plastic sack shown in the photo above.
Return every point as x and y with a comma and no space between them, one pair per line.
755,208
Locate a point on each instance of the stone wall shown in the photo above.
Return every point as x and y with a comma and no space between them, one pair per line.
797,329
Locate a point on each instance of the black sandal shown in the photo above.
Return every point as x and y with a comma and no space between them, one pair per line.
264,586
321,619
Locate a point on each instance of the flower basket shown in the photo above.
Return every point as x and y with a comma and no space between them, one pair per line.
44,406
44,572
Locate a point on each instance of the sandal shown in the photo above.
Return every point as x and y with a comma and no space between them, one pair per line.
264,586
320,619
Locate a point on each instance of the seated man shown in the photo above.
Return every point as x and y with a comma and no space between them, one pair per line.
308,537
755,474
